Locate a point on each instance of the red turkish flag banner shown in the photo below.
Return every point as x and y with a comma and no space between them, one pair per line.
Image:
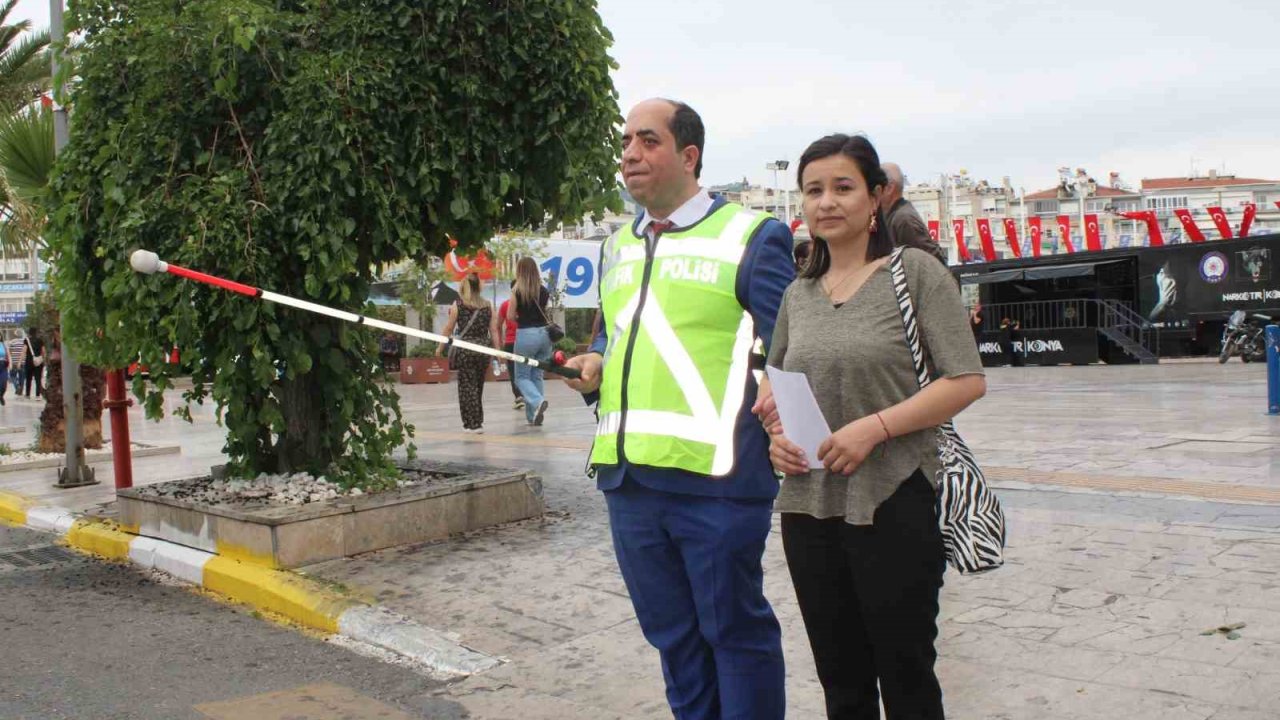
459,266
1011,234
958,226
1154,237
988,242
1189,224
1220,220
1037,232
935,230
1064,229
1092,236
1250,212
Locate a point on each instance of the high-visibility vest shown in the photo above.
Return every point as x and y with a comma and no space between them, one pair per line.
675,370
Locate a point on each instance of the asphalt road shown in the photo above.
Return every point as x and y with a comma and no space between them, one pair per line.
81,638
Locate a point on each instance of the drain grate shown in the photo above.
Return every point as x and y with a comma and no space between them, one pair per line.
35,557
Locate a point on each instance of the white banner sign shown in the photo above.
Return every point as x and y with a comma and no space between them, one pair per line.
571,267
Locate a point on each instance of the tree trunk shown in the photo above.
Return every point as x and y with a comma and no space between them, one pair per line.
53,424
306,423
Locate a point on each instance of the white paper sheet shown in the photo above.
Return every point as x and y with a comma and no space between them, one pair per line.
802,419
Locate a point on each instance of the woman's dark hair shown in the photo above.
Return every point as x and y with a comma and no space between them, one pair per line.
860,150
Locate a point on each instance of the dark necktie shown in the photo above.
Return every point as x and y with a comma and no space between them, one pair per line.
660,226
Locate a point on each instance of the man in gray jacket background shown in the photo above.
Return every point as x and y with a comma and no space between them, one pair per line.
904,223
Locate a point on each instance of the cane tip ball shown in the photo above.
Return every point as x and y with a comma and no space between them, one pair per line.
145,261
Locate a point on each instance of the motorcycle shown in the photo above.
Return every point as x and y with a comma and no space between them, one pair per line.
1244,337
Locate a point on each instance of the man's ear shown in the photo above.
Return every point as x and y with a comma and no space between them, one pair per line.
690,157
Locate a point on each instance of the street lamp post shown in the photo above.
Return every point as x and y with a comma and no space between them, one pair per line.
75,473
775,166
1081,186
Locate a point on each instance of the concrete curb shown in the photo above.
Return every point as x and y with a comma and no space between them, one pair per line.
285,593
91,457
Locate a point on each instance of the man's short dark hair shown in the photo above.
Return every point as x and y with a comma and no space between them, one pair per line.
686,126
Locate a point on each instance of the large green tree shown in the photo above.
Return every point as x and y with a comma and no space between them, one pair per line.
299,145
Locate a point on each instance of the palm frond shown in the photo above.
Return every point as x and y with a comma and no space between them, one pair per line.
26,153
23,54
6,8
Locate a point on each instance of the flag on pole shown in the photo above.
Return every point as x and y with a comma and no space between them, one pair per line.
988,242
1064,229
1011,234
1037,232
1189,224
1220,220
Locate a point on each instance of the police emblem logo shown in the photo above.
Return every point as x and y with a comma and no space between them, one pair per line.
1213,267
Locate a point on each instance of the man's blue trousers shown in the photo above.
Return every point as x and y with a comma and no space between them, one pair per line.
692,566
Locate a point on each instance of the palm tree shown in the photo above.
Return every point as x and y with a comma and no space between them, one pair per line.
25,67
26,161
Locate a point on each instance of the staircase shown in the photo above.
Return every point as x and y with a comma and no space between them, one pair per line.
1127,329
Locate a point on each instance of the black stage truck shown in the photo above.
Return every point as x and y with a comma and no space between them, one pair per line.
1122,305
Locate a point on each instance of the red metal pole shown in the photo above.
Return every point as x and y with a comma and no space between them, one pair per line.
118,405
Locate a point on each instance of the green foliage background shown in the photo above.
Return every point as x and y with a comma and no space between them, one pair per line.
298,146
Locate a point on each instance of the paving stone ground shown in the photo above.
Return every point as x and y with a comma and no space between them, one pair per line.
1144,509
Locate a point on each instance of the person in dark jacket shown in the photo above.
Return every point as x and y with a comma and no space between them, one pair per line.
906,229
33,362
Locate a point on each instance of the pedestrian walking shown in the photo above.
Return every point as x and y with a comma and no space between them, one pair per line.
508,330
529,313
16,348
473,317
685,291
861,533
33,363
4,371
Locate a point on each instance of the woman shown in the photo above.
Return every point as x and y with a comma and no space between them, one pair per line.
861,534
529,314
476,323
32,363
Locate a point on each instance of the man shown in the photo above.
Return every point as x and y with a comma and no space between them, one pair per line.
685,292
17,347
901,219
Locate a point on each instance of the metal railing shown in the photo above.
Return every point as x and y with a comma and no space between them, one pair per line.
1113,318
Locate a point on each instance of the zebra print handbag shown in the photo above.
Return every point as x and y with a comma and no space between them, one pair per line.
969,514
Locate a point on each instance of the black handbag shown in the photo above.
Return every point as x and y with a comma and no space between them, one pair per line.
554,331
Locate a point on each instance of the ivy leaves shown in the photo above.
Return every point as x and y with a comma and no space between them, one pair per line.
297,145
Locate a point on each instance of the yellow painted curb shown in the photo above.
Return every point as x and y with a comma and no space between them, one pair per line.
13,508
280,592
100,538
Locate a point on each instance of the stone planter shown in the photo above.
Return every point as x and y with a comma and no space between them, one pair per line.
424,370
295,535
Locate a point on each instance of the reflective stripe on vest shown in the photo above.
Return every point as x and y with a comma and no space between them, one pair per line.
688,348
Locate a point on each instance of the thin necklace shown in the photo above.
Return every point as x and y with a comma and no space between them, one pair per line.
831,289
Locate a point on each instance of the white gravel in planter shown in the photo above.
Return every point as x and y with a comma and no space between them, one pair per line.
22,456
264,490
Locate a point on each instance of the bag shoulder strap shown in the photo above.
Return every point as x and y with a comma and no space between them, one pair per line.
908,312
475,313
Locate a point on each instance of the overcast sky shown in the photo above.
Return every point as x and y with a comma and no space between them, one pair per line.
1142,87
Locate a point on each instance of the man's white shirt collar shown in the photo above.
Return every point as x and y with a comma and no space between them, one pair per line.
693,210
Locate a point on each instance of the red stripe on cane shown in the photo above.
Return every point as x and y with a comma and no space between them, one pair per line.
210,279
